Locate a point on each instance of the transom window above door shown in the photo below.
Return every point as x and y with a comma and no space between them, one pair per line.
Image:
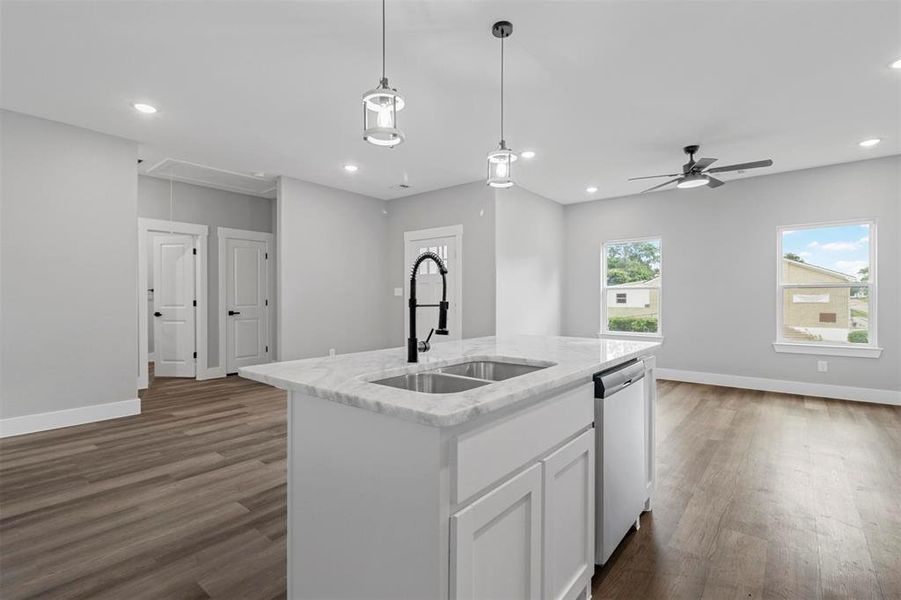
826,289
631,280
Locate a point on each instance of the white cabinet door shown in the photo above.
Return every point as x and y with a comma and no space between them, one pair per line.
569,518
246,285
173,305
496,543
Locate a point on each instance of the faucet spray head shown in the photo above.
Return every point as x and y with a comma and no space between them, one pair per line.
442,317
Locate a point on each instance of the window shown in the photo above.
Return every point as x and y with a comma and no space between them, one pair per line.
826,289
631,292
429,267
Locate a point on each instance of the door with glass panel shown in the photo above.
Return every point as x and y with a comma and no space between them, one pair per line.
428,280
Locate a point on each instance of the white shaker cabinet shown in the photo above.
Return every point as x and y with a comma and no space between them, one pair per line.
496,542
569,513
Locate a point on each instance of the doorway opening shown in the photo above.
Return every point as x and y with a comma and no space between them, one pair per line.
447,243
172,300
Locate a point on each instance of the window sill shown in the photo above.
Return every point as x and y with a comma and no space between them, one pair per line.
828,350
625,335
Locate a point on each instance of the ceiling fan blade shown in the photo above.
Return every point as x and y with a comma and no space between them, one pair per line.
741,166
714,182
703,163
655,176
661,185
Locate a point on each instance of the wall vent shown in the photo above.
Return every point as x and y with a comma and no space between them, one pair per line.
220,179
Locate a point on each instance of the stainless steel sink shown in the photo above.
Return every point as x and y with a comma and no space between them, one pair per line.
490,370
432,383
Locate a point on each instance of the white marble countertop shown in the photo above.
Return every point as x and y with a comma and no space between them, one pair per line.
347,378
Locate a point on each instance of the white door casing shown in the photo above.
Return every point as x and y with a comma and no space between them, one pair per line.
246,282
496,542
446,242
173,305
147,228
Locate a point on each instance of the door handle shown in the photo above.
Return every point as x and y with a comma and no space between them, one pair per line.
232,313
157,314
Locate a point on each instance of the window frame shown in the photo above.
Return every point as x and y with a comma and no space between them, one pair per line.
604,331
826,348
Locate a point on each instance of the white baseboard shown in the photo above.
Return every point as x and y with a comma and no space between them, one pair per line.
823,390
66,418
213,373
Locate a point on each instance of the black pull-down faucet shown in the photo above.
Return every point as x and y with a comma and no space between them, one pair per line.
413,346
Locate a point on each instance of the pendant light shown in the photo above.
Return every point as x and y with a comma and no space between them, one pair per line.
500,161
380,108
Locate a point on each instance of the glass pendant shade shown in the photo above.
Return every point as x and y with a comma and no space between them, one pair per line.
380,108
500,167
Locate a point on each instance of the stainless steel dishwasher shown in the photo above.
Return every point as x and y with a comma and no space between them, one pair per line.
620,459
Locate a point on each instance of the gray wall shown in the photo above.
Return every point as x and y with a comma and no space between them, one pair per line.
69,267
719,308
204,206
470,205
529,256
332,281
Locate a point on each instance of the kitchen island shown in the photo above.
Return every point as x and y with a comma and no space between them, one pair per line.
469,474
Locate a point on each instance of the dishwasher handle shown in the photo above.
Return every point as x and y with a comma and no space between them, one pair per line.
610,381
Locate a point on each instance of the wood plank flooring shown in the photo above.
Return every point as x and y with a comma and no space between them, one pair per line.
760,496
186,500
766,496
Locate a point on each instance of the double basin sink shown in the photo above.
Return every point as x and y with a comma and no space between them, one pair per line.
460,377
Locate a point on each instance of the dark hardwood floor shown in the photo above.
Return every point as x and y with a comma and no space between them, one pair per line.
760,496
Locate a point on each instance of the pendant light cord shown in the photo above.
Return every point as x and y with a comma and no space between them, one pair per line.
502,91
383,41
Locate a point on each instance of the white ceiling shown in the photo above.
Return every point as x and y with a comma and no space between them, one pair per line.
602,91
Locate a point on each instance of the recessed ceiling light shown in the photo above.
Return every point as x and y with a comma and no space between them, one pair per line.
869,143
258,174
528,154
144,108
591,189
350,168
896,64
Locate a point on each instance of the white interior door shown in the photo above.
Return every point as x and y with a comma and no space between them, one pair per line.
247,321
428,285
173,305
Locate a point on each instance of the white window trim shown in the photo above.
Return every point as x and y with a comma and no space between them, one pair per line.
604,332
869,350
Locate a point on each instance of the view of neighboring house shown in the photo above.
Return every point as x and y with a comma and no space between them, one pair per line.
624,300
821,313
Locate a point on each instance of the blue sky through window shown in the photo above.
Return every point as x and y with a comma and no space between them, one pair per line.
843,248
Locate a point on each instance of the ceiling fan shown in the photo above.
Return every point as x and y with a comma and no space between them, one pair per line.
696,173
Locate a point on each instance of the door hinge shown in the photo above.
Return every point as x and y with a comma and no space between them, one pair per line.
195,355
267,256
195,250
195,303
267,348
267,302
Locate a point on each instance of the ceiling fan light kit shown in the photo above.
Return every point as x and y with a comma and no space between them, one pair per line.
380,108
697,173
500,161
692,180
